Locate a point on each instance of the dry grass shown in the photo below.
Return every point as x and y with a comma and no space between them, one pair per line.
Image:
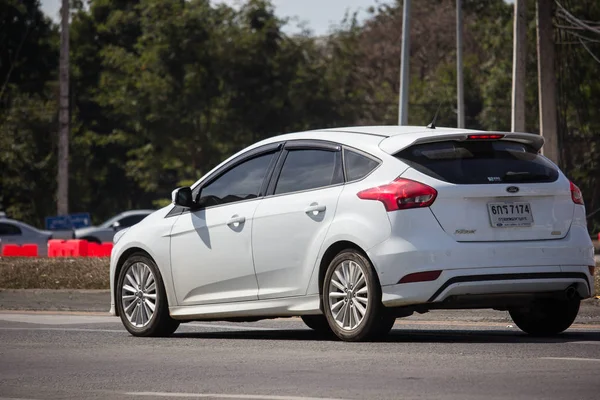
71,273
54,273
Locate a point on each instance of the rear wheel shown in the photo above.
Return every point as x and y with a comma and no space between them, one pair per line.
546,317
142,300
352,299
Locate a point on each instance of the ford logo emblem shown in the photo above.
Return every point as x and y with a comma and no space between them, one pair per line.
512,189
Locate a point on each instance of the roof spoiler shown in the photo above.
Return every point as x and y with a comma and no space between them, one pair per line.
535,141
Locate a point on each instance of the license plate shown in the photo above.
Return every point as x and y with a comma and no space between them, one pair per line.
510,214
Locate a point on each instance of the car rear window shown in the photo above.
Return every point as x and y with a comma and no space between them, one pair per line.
479,162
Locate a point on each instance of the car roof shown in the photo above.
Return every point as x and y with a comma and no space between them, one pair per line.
392,138
379,140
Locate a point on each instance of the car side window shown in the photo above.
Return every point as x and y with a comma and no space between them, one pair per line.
309,169
357,165
242,182
131,220
9,230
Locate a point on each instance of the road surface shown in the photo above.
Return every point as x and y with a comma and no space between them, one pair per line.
91,356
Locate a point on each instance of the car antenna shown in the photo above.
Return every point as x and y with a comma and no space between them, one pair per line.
432,123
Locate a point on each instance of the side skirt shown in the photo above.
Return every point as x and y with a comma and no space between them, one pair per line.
255,309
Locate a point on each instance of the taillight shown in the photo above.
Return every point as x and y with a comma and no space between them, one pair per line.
485,137
576,194
401,194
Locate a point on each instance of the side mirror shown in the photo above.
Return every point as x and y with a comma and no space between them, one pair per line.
116,225
183,197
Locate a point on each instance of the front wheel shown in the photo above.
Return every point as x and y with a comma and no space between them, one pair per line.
142,300
352,299
546,317
317,323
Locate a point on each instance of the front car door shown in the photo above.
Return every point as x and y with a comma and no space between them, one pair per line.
290,225
211,253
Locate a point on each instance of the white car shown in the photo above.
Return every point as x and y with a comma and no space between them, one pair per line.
351,228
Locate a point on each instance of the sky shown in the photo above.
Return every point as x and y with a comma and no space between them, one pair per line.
318,14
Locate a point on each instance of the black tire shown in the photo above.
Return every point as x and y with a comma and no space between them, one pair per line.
317,323
546,317
92,240
161,324
377,321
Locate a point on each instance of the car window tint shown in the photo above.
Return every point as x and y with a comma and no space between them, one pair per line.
9,230
309,169
357,165
479,162
242,182
131,220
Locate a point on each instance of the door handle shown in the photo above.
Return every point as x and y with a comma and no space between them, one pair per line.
315,208
236,221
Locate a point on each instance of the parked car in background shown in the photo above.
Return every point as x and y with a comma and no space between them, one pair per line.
20,233
106,231
353,228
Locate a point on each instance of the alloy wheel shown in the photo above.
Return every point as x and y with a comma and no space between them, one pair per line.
138,294
348,295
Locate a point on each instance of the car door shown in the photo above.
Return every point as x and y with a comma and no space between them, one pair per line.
290,225
211,253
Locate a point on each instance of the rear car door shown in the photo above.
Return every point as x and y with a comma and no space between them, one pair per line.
211,253
290,225
492,190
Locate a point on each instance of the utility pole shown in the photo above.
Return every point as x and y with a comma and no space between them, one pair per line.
547,79
460,96
519,62
62,195
404,65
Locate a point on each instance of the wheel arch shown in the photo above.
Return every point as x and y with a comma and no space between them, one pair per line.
333,250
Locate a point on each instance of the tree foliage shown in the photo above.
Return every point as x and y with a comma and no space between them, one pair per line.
162,90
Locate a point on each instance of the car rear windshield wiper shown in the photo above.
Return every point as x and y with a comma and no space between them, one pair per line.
524,176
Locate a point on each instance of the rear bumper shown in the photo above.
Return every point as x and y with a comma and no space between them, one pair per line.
418,244
492,282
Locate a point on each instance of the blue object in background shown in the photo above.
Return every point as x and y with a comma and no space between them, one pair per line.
67,222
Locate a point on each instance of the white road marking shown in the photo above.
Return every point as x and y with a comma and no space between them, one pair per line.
62,329
14,398
224,396
570,359
586,342
58,319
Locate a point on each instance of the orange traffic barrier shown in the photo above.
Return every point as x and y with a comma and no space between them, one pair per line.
14,250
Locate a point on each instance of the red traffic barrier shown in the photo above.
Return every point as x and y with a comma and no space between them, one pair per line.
99,249
78,248
14,250
67,248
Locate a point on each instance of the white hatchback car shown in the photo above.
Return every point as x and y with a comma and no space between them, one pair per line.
351,228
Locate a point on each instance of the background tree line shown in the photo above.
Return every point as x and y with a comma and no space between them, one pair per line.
162,90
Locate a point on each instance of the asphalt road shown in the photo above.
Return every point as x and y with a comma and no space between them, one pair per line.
74,356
